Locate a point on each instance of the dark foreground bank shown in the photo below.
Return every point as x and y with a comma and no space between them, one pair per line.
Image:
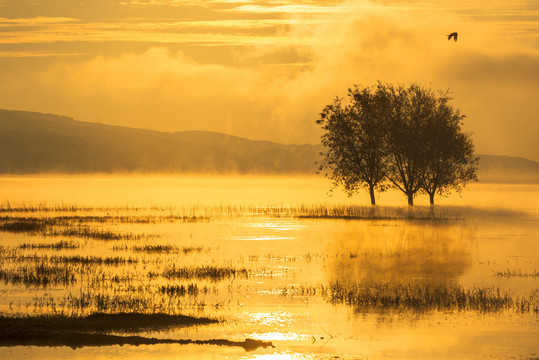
95,329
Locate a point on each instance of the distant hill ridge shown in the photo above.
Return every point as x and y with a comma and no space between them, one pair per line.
37,143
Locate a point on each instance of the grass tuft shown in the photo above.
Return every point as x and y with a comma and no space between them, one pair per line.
212,273
428,297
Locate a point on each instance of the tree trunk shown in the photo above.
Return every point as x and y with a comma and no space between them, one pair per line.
371,191
431,195
410,199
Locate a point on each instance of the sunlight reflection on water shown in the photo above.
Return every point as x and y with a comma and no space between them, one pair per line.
279,336
285,257
277,225
260,238
285,356
270,319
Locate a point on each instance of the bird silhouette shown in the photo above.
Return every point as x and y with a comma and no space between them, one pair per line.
453,35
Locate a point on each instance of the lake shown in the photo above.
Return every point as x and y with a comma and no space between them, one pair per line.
276,259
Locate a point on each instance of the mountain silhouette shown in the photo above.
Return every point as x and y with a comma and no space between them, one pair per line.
37,143
46,143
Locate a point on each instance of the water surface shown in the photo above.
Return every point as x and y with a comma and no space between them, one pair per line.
488,238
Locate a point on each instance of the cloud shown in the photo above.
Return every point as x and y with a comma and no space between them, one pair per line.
146,3
278,81
62,30
294,9
34,54
35,21
167,90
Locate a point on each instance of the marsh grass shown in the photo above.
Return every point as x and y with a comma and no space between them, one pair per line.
41,275
367,213
141,299
121,284
42,271
60,245
117,298
92,260
160,249
71,213
53,227
428,297
514,273
75,260
25,225
170,249
212,273
96,234
181,290
9,207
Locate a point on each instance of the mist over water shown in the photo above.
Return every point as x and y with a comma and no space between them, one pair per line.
213,190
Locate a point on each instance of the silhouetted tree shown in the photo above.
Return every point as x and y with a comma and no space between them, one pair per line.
452,162
407,125
407,137
355,154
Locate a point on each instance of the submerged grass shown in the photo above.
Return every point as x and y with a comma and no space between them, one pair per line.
212,273
141,299
52,227
428,297
53,271
160,249
181,290
111,284
25,225
97,234
42,275
91,260
133,218
76,260
514,273
60,245
207,213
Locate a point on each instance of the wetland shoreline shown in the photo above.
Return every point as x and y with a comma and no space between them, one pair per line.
95,330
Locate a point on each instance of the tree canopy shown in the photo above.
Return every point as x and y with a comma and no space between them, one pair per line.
354,140
409,138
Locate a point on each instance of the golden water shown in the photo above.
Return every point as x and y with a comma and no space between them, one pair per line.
490,229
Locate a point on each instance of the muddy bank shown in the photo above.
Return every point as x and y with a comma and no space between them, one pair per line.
94,330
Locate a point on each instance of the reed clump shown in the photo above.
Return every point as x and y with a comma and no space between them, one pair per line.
191,289
41,275
352,212
166,249
96,234
138,299
517,273
59,227
92,260
426,297
60,245
25,225
212,273
75,260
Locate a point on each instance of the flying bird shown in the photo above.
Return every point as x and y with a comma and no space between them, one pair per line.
453,35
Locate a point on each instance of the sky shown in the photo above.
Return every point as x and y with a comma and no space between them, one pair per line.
266,69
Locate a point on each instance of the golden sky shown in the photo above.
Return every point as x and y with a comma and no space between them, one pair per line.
265,69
